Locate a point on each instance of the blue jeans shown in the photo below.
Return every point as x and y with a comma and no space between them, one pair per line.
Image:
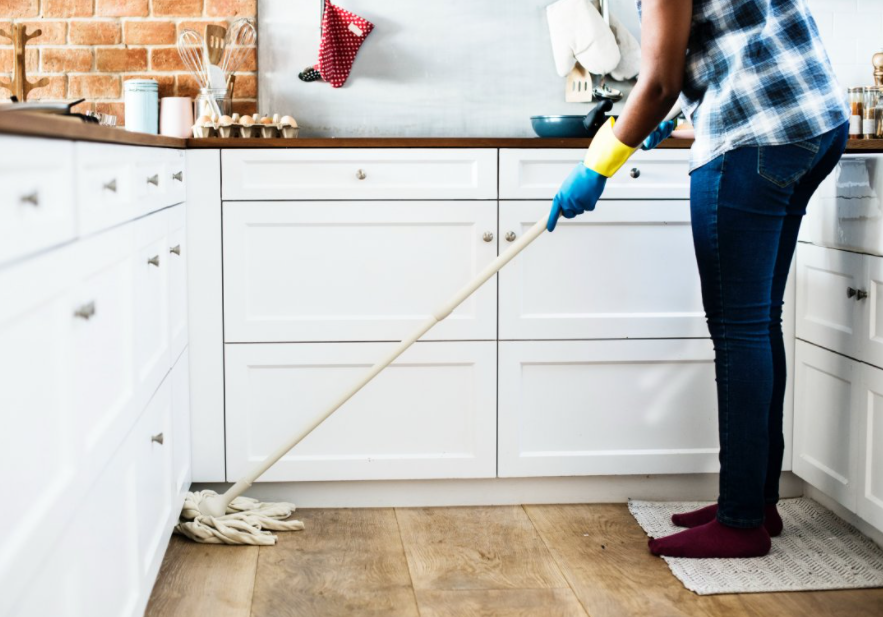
746,208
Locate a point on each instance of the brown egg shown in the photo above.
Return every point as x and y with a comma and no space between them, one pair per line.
266,120
225,120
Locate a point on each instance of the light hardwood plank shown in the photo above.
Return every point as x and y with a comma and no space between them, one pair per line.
499,603
603,553
476,548
201,579
346,562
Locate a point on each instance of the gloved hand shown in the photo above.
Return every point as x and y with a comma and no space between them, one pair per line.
583,187
660,133
579,192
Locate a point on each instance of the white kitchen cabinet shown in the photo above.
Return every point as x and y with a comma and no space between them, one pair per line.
176,255
432,414
355,271
151,267
106,193
626,271
869,495
36,200
606,407
379,173
871,311
180,445
538,174
829,312
827,388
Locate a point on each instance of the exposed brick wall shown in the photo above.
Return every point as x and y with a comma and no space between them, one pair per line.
90,47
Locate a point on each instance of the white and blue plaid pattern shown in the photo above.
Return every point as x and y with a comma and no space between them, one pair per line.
756,74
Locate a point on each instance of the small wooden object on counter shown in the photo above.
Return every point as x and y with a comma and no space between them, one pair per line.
579,84
877,61
20,86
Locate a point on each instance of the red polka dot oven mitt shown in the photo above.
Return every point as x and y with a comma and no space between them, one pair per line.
342,35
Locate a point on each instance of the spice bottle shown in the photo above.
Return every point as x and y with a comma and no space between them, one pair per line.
869,108
856,100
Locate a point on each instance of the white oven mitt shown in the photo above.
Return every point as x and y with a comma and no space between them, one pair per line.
629,50
579,34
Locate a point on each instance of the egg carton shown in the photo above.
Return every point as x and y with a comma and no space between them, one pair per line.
227,127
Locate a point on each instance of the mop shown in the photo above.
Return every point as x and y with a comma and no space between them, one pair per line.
210,518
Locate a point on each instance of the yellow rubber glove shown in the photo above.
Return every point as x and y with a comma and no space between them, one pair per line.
583,187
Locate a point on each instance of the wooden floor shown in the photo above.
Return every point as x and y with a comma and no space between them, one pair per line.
431,562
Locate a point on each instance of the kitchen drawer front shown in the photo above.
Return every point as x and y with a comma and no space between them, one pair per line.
106,186
826,401
826,315
607,408
152,262
870,447
359,174
626,271
350,271
538,174
176,254
846,211
432,414
36,200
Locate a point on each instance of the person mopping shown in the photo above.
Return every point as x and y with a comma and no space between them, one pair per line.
770,123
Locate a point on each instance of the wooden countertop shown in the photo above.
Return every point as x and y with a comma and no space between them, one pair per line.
42,125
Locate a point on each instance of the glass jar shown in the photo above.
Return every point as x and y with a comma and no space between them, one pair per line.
869,108
856,99
211,102
142,105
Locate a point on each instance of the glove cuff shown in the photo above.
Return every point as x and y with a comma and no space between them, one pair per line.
606,153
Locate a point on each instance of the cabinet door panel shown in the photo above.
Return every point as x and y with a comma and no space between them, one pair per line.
180,377
607,407
826,386
626,271
826,315
177,253
432,414
870,447
538,173
355,271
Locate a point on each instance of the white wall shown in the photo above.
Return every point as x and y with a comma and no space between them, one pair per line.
469,67
429,68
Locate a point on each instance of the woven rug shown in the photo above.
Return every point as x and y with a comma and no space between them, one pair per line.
817,550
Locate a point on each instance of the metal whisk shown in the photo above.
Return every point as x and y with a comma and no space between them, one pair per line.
190,48
241,37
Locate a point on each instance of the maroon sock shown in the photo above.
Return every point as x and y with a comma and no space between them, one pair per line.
771,519
714,540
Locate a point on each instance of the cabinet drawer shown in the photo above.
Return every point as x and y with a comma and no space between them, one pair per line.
176,254
106,192
538,174
359,174
636,274
355,271
36,200
826,314
607,408
432,414
827,389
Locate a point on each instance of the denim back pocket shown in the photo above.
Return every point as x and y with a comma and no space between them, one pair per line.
784,165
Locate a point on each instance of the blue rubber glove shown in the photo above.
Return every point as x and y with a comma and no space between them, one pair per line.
579,192
660,133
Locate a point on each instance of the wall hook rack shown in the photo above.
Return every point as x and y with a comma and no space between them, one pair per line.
19,86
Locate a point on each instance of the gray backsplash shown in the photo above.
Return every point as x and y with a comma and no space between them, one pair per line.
429,68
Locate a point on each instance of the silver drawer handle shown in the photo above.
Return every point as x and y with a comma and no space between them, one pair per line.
111,186
361,175
635,172
154,261
85,312
488,236
179,176
33,199
510,236
175,249
158,438
154,180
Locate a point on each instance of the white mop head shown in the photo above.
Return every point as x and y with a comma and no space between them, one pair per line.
245,522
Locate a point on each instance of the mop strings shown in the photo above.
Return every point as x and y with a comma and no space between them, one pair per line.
246,521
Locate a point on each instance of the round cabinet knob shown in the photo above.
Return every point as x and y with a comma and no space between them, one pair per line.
361,175
175,249
158,438
510,236
154,180
32,199
179,176
111,186
488,236
861,295
851,292
85,312
635,172
154,261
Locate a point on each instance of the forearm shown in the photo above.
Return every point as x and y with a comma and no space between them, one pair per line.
648,104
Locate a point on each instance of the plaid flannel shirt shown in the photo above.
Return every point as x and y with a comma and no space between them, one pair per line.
756,74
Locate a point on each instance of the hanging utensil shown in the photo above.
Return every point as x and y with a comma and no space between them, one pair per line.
215,44
190,48
241,38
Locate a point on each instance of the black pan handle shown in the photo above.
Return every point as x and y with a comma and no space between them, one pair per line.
595,118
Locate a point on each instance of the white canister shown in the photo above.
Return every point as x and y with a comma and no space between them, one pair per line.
142,105
176,116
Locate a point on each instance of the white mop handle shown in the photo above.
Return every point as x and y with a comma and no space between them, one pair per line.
492,268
